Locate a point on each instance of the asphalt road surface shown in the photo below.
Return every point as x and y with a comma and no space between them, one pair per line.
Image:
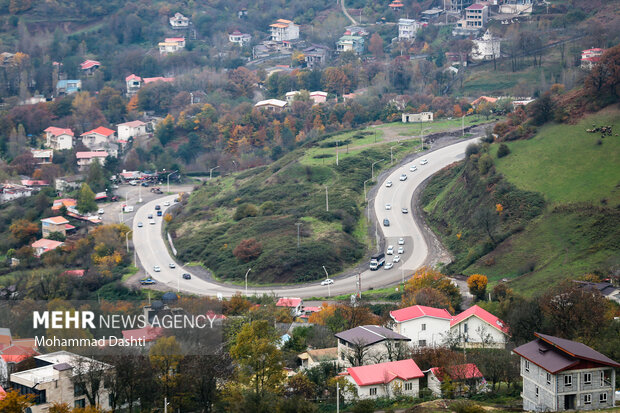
150,243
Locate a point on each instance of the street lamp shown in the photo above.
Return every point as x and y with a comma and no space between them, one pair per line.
235,163
392,156
127,239
168,179
372,168
246,281
211,172
329,291
365,199
326,200
422,136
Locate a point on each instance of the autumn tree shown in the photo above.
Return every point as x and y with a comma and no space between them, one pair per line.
376,45
335,80
477,284
242,81
86,200
165,356
340,316
426,277
86,111
603,81
248,249
14,402
23,230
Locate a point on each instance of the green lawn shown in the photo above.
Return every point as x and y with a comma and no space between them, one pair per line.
441,125
564,162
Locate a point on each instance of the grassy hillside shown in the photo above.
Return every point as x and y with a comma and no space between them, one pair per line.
577,232
287,192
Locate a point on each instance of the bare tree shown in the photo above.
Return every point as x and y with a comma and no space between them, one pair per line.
358,352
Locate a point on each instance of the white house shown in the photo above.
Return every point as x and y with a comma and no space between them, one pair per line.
385,379
296,305
273,105
42,156
462,376
407,29
171,45
417,117
9,192
86,158
363,344
283,30
476,327
44,245
179,22
130,130
425,326
239,38
486,48
590,57
318,97
58,138
101,139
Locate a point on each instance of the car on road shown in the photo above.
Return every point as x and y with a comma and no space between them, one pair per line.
386,222
156,268
147,281
114,199
187,276
127,208
114,187
401,250
133,183
327,281
388,266
404,210
413,168
159,213
167,203
403,177
390,250
101,211
172,265
401,241
388,184
139,224
145,184
152,222
157,207
150,216
423,162
388,206
396,259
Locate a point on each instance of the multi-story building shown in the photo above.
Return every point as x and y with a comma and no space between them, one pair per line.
239,38
283,30
350,43
54,224
179,22
407,29
128,130
315,55
86,158
590,57
560,374
67,87
171,45
53,381
385,379
476,327
101,139
363,344
486,48
89,67
425,326
42,156
476,16
58,138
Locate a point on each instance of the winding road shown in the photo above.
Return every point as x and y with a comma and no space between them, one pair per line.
151,249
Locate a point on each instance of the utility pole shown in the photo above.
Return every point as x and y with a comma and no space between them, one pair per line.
329,291
337,397
359,285
298,226
246,281
127,239
372,168
463,124
211,172
326,200
337,152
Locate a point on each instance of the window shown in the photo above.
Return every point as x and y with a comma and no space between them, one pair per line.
536,391
465,328
605,378
422,343
423,327
587,399
548,378
78,390
587,378
373,391
408,386
602,397
527,365
568,380
80,403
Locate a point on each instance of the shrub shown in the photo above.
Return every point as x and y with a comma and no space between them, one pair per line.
248,249
472,149
244,211
503,150
465,406
484,164
364,406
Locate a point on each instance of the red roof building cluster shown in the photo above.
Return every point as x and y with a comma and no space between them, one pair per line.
384,373
146,334
59,131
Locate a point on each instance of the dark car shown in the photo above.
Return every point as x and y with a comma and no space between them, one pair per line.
157,207
187,276
159,213
145,184
386,222
147,281
150,216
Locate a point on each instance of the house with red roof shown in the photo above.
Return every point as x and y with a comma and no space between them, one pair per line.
89,67
476,327
590,57
54,224
171,45
385,379
14,350
396,5
425,326
44,245
466,378
58,139
296,305
130,130
134,82
74,273
560,374
146,334
101,139
64,202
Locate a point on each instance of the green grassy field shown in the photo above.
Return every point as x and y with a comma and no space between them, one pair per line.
565,164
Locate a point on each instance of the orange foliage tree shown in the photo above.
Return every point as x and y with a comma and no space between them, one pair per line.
477,284
427,278
339,317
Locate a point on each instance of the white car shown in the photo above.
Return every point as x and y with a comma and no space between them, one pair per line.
166,203
388,184
101,211
404,210
401,250
423,162
152,222
396,259
388,206
413,168
156,268
403,177
390,250
172,265
388,266
139,224
401,241
327,281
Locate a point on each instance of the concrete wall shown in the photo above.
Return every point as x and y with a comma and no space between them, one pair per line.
476,330
434,334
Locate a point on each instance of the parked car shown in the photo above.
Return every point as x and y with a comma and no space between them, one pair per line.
388,184
139,224
413,168
187,276
386,222
388,206
145,184
403,177
423,162
147,281
390,250
401,250
396,259
404,210
401,241
114,199
388,266
172,265
133,183
156,268
327,281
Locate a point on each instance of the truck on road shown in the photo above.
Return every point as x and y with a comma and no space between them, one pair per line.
376,261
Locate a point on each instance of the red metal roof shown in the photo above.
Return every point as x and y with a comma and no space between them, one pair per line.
17,354
100,130
458,372
88,155
482,314
288,302
148,80
132,124
46,244
476,6
87,64
56,220
384,373
59,131
132,77
146,333
175,39
416,311
74,273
